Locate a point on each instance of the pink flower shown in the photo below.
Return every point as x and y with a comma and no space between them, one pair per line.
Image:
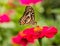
30,34
38,31
42,34
19,40
16,39
4,18
22,39
49,32
36,1
28,2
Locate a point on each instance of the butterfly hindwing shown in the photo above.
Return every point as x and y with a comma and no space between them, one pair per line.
28,16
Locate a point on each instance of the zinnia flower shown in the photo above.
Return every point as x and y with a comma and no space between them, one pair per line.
22,39
19,40
28,2
29,35
4,18
38,31
32,33
49,32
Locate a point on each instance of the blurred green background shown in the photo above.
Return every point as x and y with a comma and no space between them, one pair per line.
46,13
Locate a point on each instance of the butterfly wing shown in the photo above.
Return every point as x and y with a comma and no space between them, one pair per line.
28,16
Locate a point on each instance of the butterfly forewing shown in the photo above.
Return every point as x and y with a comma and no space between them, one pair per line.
28,16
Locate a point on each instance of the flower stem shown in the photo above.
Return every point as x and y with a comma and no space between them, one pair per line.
40,41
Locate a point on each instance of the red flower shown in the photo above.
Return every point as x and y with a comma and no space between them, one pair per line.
16,39
28,2
49,32
4,18
21,40
42,34
38,31
30,34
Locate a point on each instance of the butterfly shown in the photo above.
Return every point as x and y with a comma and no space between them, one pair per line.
28,16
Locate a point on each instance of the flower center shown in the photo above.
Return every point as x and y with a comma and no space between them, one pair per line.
38,29
22,34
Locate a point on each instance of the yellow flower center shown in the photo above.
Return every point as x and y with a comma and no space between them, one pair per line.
36,29
22,34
